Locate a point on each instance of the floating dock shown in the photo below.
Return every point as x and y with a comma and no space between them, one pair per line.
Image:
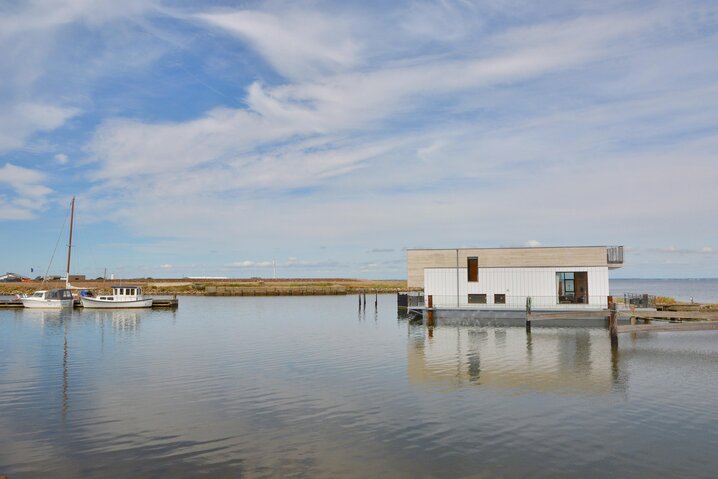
10,303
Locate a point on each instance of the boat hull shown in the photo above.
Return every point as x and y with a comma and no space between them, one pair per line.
46,303
115,304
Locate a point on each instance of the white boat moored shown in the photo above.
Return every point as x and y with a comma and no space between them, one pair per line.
121,297
49,299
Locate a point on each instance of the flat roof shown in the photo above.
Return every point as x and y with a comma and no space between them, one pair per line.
508,247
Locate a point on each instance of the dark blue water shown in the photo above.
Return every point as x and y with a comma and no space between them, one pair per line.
309,387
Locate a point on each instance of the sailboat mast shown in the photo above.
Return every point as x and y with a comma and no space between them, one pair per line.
69,246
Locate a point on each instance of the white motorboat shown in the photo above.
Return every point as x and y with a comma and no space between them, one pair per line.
49,299
121,297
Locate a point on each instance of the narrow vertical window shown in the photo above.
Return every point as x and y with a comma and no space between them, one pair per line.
472,265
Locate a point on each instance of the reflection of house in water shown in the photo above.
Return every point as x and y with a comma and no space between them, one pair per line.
563,361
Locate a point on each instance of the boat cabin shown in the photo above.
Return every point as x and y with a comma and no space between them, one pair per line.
124,293
53,294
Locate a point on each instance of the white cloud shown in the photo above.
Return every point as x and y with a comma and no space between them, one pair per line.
61,158
28,195
299,44
249,264
19,122
53,51
321,111
38,15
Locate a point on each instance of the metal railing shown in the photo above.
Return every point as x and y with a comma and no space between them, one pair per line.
516,302
614,254
411,299
639,300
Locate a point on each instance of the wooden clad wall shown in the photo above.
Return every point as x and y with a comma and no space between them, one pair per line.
418,259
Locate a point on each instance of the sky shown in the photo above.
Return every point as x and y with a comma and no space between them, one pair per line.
323,139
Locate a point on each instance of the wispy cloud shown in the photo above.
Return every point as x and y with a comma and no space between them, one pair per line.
28,196
298,43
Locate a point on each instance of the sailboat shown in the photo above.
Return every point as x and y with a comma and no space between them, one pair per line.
56,298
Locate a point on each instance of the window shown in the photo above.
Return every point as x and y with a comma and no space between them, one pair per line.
572,287
499,299
477,299
472,266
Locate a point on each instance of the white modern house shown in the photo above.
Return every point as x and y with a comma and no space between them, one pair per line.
555,278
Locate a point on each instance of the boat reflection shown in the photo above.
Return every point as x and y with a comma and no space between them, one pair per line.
122,320
52,318
557,360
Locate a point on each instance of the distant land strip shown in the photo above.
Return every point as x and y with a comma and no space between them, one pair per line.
224,287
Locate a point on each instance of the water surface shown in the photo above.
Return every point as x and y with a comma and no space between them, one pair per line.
310,387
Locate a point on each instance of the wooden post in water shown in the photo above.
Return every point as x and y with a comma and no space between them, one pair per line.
528,314
430,319
376,299
364,300
613,324
359,296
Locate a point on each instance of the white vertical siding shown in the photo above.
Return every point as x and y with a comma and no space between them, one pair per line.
515,283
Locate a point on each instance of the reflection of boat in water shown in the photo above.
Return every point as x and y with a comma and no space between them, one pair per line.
49,299
48,317
127,320
122,297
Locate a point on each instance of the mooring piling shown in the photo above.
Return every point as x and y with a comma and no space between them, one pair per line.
613,323
528,314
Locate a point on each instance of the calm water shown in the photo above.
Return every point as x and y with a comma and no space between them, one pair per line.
701,290
307,387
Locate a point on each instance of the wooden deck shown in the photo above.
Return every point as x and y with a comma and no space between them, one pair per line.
10,303
587,314
664,326
672,315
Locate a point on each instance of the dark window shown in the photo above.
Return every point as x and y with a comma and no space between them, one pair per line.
472,265
477,299
499,299
572,287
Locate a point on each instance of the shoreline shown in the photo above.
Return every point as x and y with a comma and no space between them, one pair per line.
224,287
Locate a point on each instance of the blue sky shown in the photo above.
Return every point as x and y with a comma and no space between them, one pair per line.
213,138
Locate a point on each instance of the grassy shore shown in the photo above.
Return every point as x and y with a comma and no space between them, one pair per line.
225,287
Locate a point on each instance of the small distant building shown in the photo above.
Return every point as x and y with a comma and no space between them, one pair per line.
574,277
13,278
76,277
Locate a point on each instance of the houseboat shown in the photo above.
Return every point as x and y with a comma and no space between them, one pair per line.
555,278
